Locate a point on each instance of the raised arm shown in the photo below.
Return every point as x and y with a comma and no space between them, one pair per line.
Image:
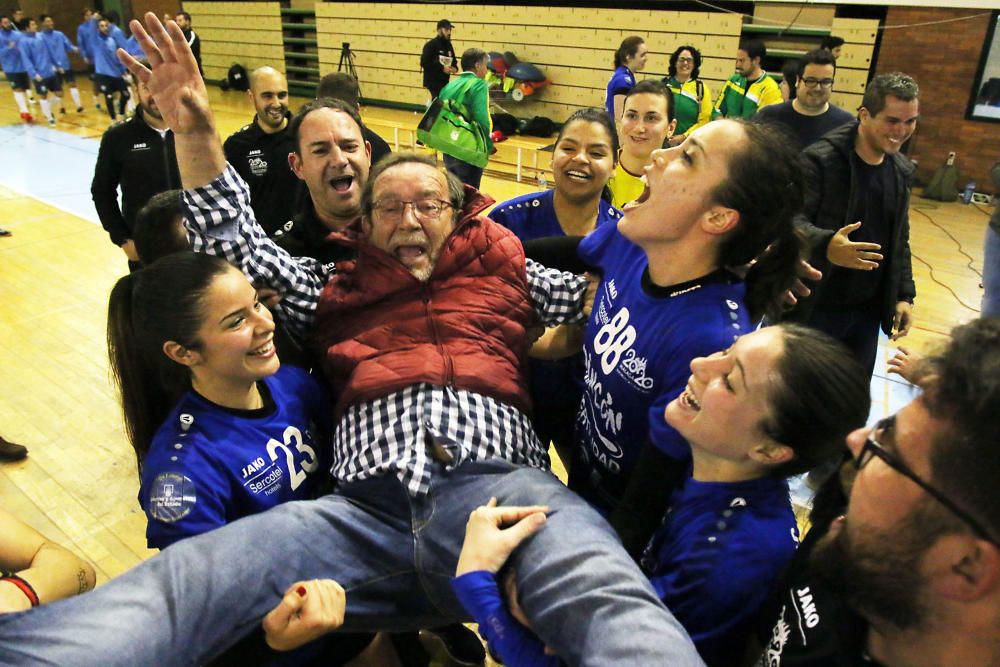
218,215
181,97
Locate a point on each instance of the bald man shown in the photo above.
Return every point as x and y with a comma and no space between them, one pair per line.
259,151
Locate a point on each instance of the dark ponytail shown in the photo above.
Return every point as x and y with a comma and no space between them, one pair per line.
821,394
765,186
159,303
628,48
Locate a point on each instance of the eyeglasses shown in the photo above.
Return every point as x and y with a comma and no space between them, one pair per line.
685,59
872,448
812,82
427,210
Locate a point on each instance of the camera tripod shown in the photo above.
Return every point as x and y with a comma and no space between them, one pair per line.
347,62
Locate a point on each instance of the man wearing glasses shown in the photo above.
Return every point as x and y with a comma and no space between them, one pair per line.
910,574
810,115
424,340
856,221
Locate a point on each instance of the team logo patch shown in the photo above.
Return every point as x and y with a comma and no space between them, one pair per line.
172,497
258,166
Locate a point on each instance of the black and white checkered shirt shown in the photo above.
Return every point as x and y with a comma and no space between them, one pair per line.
402,431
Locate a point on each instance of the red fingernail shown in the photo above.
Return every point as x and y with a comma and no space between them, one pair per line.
301,590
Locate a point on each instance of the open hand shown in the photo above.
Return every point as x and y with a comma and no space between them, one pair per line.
487,546
172,77
859,255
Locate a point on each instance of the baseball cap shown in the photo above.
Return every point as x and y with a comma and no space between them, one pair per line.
445,23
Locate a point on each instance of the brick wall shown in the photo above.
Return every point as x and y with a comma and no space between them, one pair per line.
943,59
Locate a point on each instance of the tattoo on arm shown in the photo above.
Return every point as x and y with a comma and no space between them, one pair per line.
81,576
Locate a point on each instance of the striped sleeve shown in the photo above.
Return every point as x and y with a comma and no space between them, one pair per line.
220,222
558,295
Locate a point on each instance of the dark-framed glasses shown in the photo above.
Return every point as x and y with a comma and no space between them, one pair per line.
427,210
872,448
812,82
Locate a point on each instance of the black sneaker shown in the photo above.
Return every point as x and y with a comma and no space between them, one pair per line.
4,232
462,645
10,451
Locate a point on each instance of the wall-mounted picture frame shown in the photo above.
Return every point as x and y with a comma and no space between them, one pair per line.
984,103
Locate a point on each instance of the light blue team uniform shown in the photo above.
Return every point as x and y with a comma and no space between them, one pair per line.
209,465
39,62
11,59
59,47
637,353
86,36
104,54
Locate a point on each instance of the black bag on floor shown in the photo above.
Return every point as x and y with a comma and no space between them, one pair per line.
540,126
237,77
505,122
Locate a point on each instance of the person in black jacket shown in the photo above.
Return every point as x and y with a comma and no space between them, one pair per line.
856,221
438,59
137,155
259,151
183,19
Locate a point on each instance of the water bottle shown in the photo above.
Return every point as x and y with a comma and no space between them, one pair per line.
970,189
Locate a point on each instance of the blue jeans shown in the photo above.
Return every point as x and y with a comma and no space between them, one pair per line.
991,273
394,555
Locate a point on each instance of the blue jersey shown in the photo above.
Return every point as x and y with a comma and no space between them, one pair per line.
209,465
105,57
479,594
133,49
37,58
556,384
637,354
715,559
59,47
11,59
622,81
86,38
533,216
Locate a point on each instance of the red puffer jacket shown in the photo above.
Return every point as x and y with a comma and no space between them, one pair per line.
378,329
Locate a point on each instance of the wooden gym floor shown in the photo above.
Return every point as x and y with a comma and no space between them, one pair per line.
78,484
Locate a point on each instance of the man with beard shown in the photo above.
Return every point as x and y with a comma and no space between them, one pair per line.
425,338
750,89
137,156
259,151
437,59
910,574
856,221
809,114
183,20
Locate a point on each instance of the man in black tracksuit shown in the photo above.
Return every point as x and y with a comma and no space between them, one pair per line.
259,151
138,156
438,59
